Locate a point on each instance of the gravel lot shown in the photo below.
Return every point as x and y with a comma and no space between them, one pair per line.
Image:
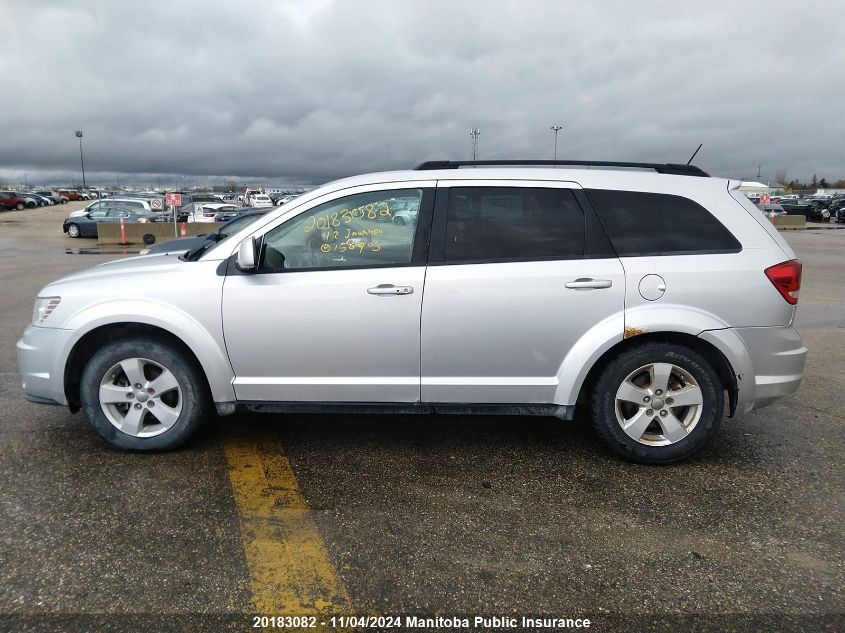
434,514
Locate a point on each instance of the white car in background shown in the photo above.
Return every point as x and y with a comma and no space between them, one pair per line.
405,212
133,204
208,211
258,200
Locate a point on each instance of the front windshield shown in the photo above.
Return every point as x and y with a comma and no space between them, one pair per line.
221,235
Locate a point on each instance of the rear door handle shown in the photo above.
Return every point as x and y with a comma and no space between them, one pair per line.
586,283
390,289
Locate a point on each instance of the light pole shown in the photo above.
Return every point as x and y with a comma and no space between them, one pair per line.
556,128
474,133
81,160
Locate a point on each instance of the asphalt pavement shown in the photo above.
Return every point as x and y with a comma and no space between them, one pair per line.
420,514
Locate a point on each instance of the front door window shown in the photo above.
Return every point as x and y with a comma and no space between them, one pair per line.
358,230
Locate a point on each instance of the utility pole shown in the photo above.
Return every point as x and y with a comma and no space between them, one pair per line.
474,134
758,173
79,136
556,129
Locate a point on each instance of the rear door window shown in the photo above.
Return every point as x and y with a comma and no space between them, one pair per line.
513,223
641,224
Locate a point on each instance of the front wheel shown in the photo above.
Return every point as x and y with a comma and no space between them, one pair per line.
143,395
19,206
657,403
73,230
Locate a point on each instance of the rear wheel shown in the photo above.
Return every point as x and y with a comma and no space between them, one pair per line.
143,395
19,206
657,403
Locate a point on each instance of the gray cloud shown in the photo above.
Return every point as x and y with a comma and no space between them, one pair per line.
308,91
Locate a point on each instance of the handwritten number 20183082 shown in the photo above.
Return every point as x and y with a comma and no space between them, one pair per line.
345,216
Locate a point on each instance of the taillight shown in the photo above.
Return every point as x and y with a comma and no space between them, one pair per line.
786,277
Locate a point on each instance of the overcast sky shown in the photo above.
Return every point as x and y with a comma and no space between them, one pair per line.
304,92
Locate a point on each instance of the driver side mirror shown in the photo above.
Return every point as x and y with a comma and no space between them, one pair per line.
247,257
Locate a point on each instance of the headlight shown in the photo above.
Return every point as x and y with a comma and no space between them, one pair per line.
44,307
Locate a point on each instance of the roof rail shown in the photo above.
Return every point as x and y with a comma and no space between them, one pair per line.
661,168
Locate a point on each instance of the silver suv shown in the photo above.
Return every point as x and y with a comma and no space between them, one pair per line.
643,293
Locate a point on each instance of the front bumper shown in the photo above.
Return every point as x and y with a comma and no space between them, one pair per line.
768,362
41,361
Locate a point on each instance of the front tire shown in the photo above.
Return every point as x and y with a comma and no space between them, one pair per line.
73,230
19,206
143,395
657,403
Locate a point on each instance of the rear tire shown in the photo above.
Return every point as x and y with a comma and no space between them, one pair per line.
19,206
657,403
143,395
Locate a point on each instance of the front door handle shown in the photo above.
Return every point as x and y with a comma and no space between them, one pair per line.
586,283
390,289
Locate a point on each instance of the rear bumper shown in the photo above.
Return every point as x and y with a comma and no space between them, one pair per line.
768,362
41,364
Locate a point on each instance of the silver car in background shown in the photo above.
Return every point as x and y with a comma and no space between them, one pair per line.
656,301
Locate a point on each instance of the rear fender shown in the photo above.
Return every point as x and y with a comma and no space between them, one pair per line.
613,330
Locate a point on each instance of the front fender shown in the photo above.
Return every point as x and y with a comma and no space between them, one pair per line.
206,342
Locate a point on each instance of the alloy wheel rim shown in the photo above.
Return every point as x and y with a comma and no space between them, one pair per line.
140,397
658,404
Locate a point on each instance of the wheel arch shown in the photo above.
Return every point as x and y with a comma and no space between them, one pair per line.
92,340
712,353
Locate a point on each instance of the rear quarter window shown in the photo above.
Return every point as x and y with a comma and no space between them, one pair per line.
641,223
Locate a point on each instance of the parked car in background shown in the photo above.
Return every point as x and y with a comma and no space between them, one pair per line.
86,225
29,201
40,201
225,214
70,194
185,244
404,212
257,200
138,204
812,212
11,200
55,196
837,209
208,212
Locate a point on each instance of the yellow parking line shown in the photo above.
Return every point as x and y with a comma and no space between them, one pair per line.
289,566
